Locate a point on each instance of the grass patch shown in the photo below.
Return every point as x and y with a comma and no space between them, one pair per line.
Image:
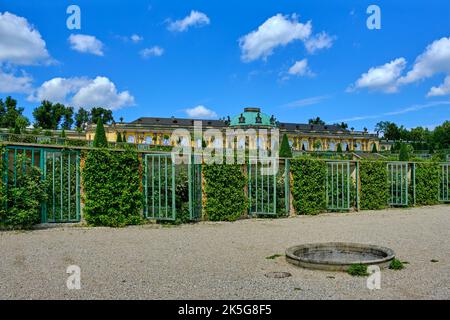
330,277
274,256
434,260
396,265
359,270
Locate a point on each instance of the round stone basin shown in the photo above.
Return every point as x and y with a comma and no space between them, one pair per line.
338,256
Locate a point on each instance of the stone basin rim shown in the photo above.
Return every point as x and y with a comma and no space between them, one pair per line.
292,257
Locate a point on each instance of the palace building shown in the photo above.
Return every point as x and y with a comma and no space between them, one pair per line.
302,137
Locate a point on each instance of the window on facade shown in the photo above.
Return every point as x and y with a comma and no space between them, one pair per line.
166,141
130,139
358,146
148,140
305,145
241,143
184,142
331,146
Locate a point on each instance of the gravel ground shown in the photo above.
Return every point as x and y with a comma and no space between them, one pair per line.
226,260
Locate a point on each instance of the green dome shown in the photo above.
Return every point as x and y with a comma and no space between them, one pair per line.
252,117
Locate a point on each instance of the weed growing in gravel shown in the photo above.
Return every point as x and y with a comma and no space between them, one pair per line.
434,260
396,265
274,256
359,270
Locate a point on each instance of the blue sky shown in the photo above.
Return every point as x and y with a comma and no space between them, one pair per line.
211,58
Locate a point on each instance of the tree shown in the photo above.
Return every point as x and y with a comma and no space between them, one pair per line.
404,153
317,145
381,127
9,112
82,118
119,137
342,125
339,148
104,114
21,124
317,120
63,133
67,121
285,148
49,115
374,148
100,135
441,136
392,132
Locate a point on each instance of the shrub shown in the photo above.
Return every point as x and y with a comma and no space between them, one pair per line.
224,191
112,188
100,135
404,152
339,148
374,148
285,148
308,190
359,270
427,183
374,185
23,198
396,265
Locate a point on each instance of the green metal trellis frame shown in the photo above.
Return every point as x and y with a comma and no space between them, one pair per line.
338,180
195,188
444,185
159,187
160,179
63,204
398,180
263,193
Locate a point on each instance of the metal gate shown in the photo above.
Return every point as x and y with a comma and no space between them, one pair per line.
338,185
171,190
61,170
444,185
195,188
268,194
398,183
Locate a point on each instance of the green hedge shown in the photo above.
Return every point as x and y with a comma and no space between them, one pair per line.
224,190
374,185
112,188
21,199
309,185
427,183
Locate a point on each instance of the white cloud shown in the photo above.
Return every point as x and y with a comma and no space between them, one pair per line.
442,90
86,44
195,18
200,112
20,42
58,89
83,92
136,38
413,108
278,30
300,68
305,102
435,59
155,51
9,83
102,92
382,78
319,41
